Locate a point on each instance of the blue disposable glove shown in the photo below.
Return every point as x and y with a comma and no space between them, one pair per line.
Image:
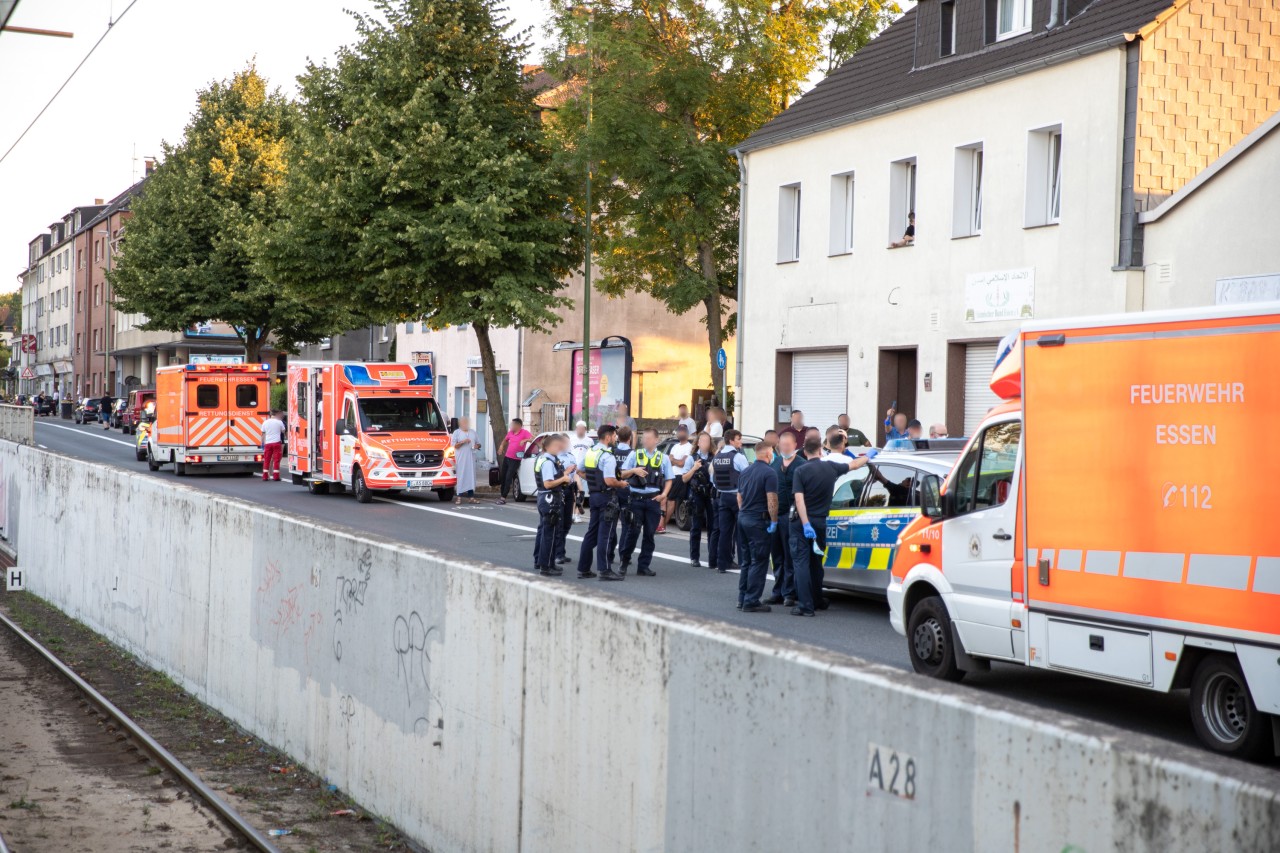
809,532
871,453
773,525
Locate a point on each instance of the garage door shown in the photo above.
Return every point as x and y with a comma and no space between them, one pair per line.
979,361
820,386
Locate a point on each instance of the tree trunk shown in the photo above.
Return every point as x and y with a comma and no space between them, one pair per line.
715,324
254,340
493,391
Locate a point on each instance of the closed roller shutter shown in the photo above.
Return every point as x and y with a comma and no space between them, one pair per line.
979,361
820,386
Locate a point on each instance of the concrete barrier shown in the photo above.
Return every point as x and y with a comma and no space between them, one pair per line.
18,424
481,709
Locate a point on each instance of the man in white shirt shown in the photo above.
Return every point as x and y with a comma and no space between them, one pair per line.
579,444
679,454
272,445
685,421
715,426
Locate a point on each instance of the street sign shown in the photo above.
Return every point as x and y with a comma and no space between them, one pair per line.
28,373
721,359
13,579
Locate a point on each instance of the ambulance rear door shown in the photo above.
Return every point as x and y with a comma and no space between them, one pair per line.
248,401
206,410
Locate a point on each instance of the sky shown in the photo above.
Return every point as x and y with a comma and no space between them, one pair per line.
138,89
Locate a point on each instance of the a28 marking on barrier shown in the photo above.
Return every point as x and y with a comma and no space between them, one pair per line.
890,772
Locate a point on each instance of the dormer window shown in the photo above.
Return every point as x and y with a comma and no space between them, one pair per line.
1013,18
947,28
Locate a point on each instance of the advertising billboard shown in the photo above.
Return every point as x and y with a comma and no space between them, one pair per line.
609,383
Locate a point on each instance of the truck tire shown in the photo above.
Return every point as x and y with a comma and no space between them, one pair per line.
360,488
930,640
316,487
152,464
1222,711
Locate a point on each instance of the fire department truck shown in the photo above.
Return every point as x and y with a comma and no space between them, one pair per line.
209,416
1111,519
368,427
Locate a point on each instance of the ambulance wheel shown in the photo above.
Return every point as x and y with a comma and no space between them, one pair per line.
360,488
180,469
930,641
317,488
446,495
1222,711
152,464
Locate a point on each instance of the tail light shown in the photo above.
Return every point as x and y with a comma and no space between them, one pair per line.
258,458
196,460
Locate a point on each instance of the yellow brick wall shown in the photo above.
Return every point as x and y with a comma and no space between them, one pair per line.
1209,75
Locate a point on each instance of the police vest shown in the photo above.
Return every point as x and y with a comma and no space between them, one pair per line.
723,473
701,479
591,470
653,467
555,466
620,457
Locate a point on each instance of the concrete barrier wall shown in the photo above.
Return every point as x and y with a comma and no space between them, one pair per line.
18,423
481,709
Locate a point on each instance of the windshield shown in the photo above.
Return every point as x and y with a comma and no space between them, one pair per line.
400,414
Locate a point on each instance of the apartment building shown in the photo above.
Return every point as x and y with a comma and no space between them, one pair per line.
1060,157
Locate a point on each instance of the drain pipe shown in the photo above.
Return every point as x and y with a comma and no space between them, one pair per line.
1054,17
742,278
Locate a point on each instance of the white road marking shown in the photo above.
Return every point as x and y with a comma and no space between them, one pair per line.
521,527
91,435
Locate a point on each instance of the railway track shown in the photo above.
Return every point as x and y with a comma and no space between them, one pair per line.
100,738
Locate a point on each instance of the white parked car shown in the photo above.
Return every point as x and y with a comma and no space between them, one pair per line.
525,484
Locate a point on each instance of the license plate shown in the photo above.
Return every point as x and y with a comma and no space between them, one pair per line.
229,458
419,485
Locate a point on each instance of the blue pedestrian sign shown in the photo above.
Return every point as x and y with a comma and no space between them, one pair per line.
721,360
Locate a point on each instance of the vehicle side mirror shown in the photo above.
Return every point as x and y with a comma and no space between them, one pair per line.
932,504
340,427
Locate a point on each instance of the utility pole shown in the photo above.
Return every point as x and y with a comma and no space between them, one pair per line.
586,269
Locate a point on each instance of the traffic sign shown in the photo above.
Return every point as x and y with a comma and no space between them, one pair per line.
721,359
28,373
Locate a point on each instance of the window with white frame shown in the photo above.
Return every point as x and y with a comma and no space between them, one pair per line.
788,223
947,28
1044,176
902,203
966,210
385,334
1013,17
842,205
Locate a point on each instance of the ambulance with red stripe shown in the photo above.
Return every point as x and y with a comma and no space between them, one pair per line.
1112,518
372,428
209,417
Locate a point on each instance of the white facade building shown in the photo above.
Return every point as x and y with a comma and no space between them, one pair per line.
460,388
1037,159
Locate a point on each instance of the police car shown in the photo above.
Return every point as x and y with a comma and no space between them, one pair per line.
525,484
875,503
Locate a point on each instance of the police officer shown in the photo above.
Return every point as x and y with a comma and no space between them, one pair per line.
702,513
812,486
786,462
758,519
726,467
568,462
621,450
598,473
650,472
551,477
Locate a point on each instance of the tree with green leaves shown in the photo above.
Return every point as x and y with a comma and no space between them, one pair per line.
187,256
670,86
423,187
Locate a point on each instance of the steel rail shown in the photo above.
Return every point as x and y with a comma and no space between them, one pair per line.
158,752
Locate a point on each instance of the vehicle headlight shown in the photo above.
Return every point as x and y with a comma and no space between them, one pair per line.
376,453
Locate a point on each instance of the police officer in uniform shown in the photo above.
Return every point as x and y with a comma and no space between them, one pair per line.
569,463
621,450
599,469
758,520
726,466
650,472
552,478
702,512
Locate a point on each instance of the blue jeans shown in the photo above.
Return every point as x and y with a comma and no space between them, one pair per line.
647,513
595,544
751,579
808,565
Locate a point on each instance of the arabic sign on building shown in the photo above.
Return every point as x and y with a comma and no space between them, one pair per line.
1248,288
1001,295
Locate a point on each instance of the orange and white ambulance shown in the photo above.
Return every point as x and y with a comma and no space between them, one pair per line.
368,427
1110,519
209,416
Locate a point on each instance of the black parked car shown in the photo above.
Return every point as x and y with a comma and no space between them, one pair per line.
87,411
